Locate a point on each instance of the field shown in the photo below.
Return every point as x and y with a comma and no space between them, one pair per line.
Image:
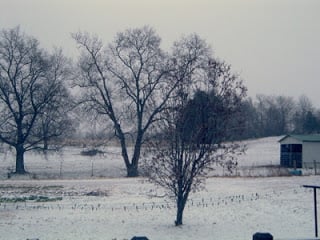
261,159
67,202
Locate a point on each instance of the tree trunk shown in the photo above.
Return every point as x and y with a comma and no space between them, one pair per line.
180,208
132,171
132,167
20,159
45,144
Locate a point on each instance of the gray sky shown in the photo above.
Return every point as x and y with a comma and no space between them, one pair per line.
272,44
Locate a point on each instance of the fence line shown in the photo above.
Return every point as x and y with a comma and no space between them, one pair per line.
72,164
315,165
93,169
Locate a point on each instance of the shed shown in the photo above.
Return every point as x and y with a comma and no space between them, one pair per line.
299,151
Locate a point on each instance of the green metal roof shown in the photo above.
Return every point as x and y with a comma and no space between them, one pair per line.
304,138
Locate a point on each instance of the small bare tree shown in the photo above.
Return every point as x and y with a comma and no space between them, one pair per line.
192,136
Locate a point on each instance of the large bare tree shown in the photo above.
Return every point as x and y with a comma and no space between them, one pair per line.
128,82
195,127
27,91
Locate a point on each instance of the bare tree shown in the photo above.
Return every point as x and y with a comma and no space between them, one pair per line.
128,83
26,91
275,114
185,153
56,122
304,106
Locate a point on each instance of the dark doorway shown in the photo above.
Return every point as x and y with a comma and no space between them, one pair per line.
291,155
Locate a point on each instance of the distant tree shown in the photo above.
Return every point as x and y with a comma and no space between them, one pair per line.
275,115
286,106
304,107
311,123
196,116
27,92
250,117
205,112
195,125
55,122
126,83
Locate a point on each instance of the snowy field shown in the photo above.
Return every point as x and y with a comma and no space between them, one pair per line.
62,206
230,208
70,164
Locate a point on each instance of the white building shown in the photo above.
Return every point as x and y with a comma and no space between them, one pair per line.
299,151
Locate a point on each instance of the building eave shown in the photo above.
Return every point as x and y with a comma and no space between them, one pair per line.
302,138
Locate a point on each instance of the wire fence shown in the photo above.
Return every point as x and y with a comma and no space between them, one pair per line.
71,164
314,165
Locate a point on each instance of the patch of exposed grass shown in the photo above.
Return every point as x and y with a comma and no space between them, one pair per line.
49,187
33,198
6,187
52,187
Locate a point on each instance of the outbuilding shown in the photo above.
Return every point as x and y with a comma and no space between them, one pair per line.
299,151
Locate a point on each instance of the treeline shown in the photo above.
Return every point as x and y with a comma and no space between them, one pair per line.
266,116
262,116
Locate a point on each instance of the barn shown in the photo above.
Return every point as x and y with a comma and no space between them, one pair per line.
299,151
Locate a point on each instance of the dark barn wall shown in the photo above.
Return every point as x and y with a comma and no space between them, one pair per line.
291,155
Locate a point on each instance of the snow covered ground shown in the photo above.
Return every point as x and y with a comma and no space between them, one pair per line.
70,164
119,208
230,208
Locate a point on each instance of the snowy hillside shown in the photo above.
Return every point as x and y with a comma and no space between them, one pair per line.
261,152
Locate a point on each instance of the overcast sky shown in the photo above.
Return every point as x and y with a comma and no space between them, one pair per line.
272,44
